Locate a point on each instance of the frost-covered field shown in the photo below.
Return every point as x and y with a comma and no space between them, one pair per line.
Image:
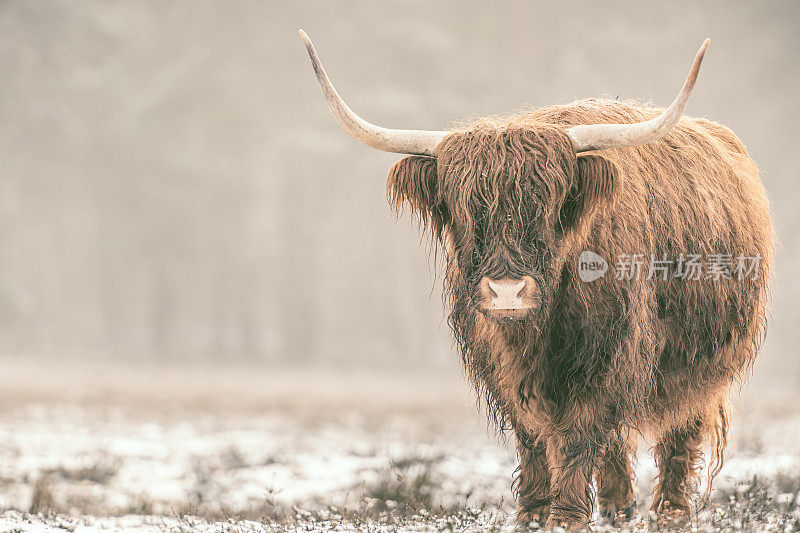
152,448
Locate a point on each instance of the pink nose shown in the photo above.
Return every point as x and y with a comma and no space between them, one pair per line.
508,293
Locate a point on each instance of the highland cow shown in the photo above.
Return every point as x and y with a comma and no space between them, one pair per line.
580,368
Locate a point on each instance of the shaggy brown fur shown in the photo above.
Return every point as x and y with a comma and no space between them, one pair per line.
603,361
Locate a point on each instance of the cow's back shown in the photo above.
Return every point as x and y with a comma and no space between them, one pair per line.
694,192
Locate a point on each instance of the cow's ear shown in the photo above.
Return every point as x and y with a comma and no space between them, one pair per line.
595,186
413,181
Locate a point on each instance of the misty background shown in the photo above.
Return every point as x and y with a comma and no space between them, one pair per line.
174,188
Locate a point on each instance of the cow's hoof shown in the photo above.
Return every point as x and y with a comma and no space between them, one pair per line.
533,518
617,513
672,516
568,524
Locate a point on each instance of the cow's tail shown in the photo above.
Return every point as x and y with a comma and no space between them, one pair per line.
719,432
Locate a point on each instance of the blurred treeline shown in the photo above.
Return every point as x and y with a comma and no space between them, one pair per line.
173,185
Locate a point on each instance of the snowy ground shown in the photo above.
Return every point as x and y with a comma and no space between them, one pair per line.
150,448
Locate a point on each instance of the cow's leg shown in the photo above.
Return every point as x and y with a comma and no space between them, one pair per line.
572,459
532,483
615,481
678,458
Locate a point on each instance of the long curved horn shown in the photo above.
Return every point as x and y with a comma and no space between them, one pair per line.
415,142
602,136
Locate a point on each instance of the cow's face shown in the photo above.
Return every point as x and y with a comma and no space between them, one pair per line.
502,201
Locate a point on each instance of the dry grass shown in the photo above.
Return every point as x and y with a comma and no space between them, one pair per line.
261,463
403,498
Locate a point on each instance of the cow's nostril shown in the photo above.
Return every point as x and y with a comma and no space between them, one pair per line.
522,286
492,292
